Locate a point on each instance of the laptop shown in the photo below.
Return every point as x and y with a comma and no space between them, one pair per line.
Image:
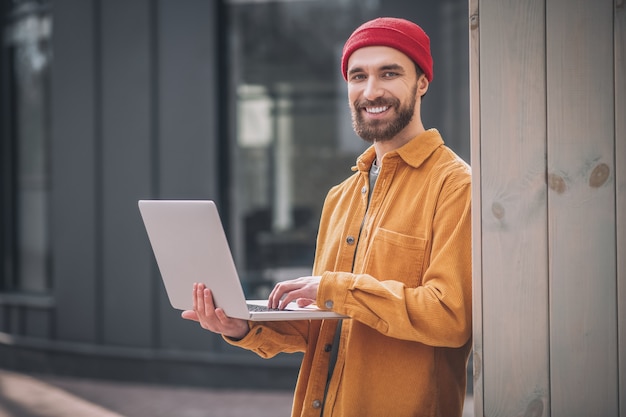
190,246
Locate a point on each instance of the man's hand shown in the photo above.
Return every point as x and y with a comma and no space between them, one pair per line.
211,318
303,289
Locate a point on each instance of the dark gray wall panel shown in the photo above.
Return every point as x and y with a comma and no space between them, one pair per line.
127,70
187,120
72,151
38,323
187,98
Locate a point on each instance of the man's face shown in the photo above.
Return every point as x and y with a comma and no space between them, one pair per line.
382,90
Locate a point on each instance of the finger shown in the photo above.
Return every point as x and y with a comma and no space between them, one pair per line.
222,319
221,315
281,290
289,297
189,315
193,295
200,299
303,302
209,304
274,297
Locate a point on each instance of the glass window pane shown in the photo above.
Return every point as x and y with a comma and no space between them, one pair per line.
294,137
27,43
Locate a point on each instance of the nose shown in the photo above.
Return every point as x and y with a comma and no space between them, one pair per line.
372,89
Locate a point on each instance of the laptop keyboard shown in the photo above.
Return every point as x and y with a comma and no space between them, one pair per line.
258,308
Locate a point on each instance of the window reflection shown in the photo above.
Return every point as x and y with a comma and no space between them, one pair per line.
294,138
25,188
291,142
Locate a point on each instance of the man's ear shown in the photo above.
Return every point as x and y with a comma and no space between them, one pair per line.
422,85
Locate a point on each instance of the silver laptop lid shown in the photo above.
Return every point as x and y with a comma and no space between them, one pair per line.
190,245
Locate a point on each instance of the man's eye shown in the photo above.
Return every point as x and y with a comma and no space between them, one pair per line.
390,74
357,77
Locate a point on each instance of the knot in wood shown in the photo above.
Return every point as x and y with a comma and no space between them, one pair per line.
474,21
599,175
557,183
498,210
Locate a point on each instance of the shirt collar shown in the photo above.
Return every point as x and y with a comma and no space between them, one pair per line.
414,152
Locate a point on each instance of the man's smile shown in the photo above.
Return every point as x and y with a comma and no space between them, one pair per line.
376,110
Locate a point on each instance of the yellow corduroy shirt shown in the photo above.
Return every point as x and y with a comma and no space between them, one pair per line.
402,272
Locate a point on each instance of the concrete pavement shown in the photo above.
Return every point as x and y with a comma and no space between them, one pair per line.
50,396
24,396
54,396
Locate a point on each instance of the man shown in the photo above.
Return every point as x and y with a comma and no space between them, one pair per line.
393,253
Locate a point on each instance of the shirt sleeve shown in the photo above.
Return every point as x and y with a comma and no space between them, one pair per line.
438,311
267,339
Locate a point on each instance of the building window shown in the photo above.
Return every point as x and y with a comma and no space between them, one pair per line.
25,187
294,137
292,125
292,128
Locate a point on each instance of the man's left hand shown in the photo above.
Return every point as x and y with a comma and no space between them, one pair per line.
303,289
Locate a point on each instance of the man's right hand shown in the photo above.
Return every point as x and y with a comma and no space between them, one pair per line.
212,318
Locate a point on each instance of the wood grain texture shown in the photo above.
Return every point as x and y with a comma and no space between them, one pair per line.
513,210
620,173
582,217
474,67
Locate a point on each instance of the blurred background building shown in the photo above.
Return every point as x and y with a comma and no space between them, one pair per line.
105,102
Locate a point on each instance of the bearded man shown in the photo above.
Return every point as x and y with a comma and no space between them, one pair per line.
393,254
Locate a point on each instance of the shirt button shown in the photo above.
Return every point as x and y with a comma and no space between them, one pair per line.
328,347
363,190
316,404
328,304
350,240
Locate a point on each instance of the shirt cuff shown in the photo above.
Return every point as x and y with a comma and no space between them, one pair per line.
249,339
333,291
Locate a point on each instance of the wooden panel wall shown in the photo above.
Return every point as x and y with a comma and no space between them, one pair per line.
548,164
620,169
477,272
513,198
581,207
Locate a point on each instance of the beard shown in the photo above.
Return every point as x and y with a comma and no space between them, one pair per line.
379,130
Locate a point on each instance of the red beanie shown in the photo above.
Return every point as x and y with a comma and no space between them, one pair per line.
400,34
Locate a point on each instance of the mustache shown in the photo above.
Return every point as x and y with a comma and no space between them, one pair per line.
379,102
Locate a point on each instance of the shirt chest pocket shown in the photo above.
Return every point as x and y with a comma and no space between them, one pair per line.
395,256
